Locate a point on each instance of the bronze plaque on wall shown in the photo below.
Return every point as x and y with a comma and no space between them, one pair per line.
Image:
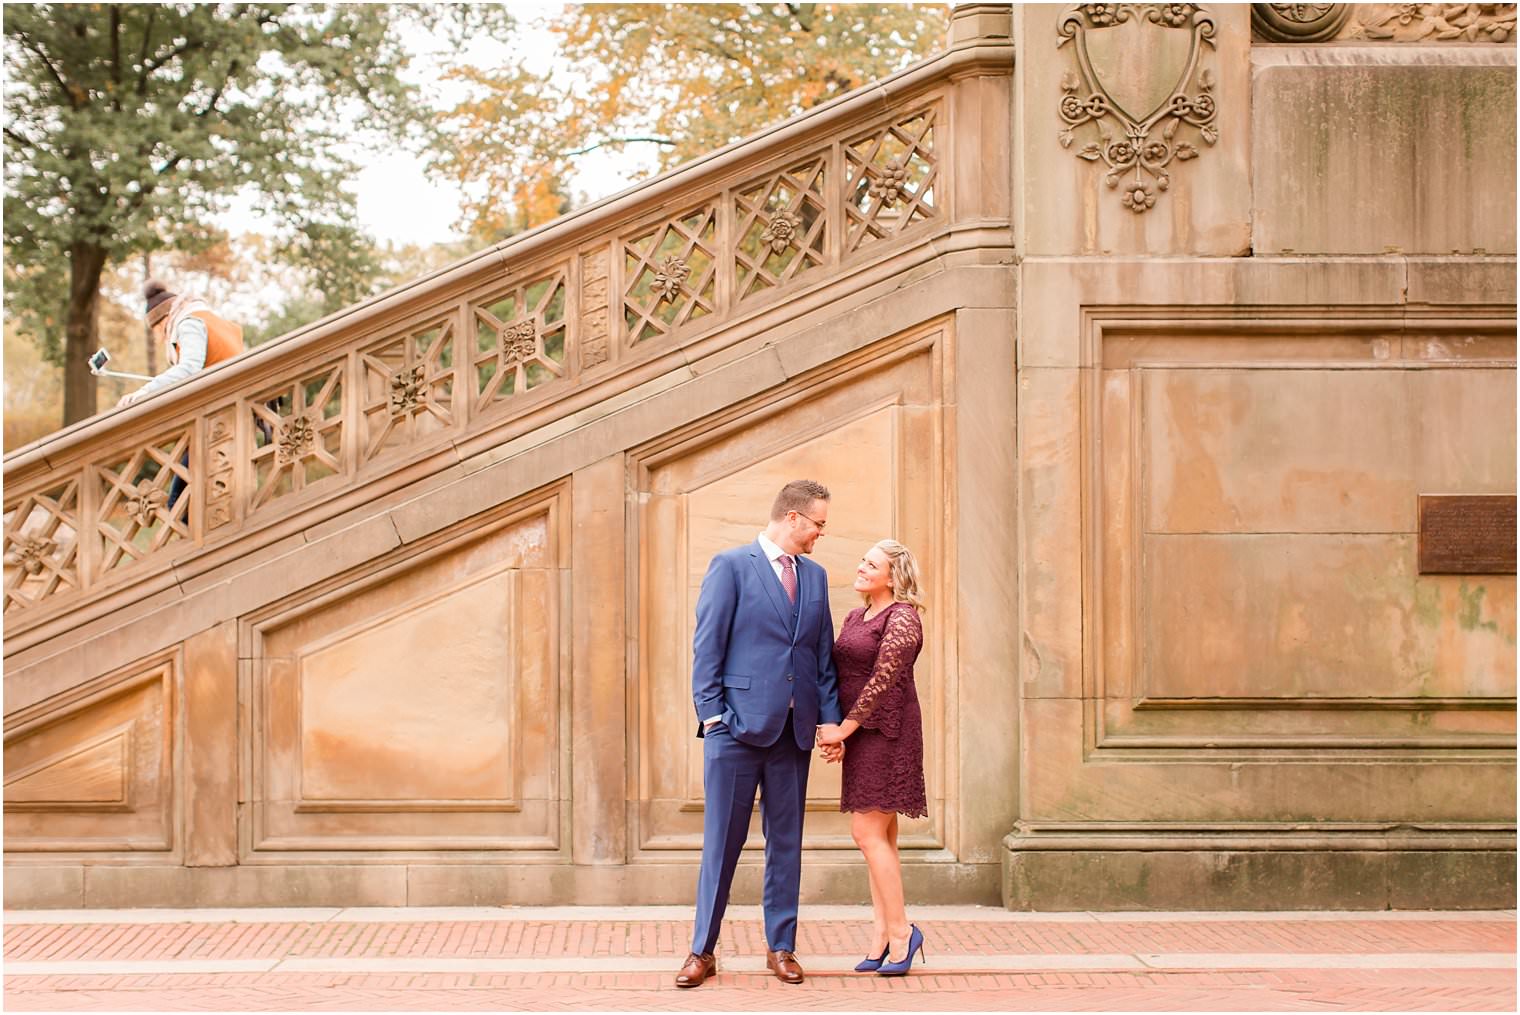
1467,535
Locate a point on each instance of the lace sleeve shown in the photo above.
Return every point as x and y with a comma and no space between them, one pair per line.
879,705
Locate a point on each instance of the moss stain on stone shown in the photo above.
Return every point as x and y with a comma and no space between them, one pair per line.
1427,604
1470,614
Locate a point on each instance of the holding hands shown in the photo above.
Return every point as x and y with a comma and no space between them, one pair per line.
831,738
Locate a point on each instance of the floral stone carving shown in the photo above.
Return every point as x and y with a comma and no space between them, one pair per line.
30,553
519,342
406,388
144,502
672,274
1432,23
296,438
781,231
1139,146
892,184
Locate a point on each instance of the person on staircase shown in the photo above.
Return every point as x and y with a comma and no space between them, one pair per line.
194,338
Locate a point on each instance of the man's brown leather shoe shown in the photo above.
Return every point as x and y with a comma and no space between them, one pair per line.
697,969
785,965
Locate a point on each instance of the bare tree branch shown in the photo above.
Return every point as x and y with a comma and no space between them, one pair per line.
617,140
147,44
62,85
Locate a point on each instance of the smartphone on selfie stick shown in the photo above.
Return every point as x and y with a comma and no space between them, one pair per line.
98,368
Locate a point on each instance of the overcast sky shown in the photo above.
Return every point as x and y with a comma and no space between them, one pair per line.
399,202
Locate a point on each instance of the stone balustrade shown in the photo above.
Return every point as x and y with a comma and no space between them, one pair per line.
494,344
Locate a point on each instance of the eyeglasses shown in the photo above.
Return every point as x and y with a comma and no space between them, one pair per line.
816,523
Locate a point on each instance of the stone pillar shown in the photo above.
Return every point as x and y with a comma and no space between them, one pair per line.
1237,687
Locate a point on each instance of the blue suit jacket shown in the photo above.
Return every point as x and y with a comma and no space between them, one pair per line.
752,652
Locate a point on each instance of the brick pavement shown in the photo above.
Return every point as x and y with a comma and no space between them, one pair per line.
978,960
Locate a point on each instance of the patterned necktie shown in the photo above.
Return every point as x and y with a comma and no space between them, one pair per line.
788,578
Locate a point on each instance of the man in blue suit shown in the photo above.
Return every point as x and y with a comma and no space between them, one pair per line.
763,681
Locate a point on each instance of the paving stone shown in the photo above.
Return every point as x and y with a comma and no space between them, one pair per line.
624,959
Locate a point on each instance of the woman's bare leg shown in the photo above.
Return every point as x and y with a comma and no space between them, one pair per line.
880,852
860,831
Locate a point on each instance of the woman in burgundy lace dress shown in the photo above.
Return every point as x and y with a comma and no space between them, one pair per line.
883,737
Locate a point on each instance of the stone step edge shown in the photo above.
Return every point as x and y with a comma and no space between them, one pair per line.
754,964
643,914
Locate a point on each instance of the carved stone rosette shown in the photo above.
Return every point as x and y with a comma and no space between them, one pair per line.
671,276
1139,147
780,231
1298,22
295,440
406,389
144,503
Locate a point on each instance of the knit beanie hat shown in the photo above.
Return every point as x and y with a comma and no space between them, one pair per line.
159,300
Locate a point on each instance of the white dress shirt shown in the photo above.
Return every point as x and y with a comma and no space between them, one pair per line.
774,554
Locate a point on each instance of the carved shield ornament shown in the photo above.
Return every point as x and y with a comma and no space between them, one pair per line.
1140,76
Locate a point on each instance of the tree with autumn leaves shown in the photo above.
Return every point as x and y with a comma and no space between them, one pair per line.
683,79
129,126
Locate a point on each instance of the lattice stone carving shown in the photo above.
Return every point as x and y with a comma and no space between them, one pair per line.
670,275
42,544
890,179
781,224
408,385
596,333
297,434
521,338
145,500
220,451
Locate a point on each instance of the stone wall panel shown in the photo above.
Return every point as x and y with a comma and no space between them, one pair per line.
1388,151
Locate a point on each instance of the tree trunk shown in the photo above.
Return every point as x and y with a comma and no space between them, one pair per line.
150,346
81,331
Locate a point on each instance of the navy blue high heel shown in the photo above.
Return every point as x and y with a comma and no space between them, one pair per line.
870,965
915,944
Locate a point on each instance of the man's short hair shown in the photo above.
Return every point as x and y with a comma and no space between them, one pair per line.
798,495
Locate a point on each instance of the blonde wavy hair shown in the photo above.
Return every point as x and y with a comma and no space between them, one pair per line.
904,574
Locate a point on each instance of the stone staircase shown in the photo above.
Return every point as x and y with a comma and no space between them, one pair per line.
377,606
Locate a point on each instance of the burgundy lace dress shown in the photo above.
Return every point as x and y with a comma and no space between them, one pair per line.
884,759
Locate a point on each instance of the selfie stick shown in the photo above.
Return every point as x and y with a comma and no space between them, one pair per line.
97,367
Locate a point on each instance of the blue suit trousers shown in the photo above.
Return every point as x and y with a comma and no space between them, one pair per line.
731,773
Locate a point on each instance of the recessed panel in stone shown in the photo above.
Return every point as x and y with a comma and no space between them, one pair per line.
416,707
93,772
